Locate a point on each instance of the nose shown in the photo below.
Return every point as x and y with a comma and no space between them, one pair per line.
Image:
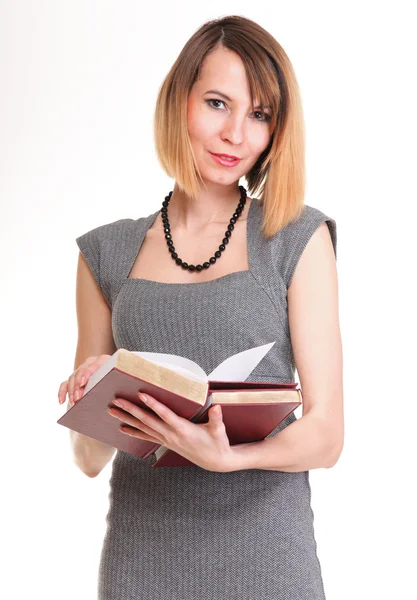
233,130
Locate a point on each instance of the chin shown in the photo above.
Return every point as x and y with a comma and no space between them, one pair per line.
227,177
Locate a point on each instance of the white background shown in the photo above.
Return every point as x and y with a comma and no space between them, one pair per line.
79,82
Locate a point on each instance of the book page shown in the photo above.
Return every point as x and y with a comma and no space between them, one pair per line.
239,366
235,368
179,364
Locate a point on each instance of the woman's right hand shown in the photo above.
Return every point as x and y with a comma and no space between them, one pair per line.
79,378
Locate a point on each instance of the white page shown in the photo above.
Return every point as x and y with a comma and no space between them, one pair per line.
176,363
239,366
234,368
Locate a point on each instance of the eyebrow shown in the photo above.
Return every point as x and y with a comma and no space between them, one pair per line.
227,97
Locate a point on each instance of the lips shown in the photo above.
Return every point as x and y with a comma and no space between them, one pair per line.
226,156
225,160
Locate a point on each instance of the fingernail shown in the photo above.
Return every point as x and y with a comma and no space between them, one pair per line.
82,380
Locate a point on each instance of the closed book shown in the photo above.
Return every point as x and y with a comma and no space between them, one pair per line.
178,382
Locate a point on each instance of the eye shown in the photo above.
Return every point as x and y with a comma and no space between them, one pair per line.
214,100
265,116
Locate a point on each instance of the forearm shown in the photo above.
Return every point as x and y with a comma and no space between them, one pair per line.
90,455
303,445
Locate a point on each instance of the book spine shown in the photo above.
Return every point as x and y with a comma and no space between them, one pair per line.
204,408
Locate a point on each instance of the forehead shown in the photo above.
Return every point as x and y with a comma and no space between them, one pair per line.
223,70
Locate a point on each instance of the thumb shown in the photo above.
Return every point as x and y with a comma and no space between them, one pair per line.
216,413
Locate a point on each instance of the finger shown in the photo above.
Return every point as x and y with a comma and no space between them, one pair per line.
83,374
219,418
138,434
145,416
165,413
216,412
130,420
90,360
62,392
71,380
88,368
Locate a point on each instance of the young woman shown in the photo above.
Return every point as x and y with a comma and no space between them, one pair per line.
213,273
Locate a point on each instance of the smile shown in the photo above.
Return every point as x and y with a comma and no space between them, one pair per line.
226,162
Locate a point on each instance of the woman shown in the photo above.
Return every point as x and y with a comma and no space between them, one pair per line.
238,524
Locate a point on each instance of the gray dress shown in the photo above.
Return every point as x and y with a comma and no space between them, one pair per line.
185,533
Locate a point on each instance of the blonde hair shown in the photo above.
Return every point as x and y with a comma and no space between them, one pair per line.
279,173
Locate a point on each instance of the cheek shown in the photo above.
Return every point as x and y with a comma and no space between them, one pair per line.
261,139
200,126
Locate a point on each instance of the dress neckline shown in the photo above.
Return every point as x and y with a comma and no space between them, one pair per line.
229,276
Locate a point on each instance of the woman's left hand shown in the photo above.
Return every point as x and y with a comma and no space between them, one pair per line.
204,444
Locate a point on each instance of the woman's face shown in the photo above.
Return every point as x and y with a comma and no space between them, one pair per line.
225,126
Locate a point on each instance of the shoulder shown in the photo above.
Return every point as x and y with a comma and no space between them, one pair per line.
107,231
310,219
116,233
108,250
289,243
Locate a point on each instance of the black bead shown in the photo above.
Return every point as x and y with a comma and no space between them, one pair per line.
217,254
178,261
213,260
168,236
174,255
206,265
228,233
222,247
167,229
225,240
230,227
184,265
199,267
191,267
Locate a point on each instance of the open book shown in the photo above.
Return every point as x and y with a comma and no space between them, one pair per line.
251,410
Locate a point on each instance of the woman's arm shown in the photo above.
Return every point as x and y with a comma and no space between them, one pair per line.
95,337
316,439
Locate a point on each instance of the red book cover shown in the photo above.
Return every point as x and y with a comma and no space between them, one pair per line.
89,415
244,422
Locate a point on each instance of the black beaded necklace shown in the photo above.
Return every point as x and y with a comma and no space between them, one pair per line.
222,247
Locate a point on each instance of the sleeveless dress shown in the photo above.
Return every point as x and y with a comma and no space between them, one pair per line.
185,533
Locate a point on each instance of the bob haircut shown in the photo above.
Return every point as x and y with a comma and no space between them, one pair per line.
279,173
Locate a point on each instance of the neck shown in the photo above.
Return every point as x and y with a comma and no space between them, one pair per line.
213,205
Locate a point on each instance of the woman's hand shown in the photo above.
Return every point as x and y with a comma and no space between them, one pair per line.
205,444
79,378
